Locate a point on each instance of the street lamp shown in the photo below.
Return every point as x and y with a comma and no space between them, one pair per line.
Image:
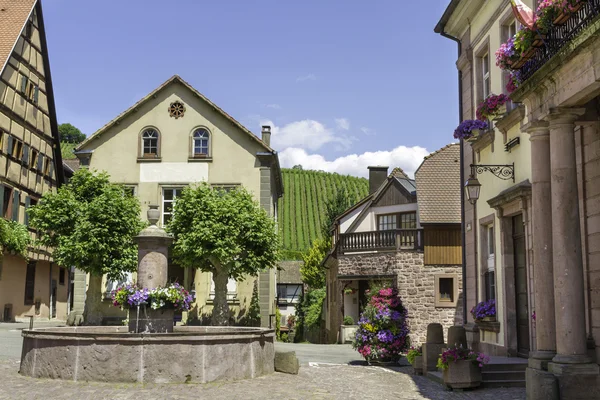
472,187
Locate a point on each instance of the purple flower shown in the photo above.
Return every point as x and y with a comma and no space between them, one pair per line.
463,131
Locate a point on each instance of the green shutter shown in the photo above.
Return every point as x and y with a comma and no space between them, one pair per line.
40,161
9,150
25,154
15,208
27,204
51,169
36,94
24,84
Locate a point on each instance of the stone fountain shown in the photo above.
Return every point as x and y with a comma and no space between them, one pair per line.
150,348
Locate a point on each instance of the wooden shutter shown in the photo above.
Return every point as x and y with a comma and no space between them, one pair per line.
51,169
36,94
25,154
2,201
9,149
24,84
27,204
15,205
40,162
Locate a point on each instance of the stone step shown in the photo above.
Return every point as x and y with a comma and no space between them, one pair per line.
503,375
506,383
505,367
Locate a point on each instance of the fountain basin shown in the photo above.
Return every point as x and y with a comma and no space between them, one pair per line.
191,354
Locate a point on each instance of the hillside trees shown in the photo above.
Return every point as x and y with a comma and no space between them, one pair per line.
90,223
70,134
225,233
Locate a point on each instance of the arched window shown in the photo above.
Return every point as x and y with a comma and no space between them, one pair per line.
150,143
200,142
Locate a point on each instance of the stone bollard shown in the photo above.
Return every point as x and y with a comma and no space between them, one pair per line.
286,362
433,346
457,337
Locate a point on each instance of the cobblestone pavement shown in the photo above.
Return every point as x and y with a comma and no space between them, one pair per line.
315,381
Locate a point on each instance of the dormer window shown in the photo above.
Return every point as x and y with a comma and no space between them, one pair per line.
200,143
150,141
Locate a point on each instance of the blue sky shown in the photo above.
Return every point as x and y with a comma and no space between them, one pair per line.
345,84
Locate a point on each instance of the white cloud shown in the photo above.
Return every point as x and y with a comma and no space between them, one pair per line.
367,131
273,106
309,77
407,158
342,123
306,134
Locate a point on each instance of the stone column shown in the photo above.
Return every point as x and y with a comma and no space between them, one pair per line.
566,246
541,218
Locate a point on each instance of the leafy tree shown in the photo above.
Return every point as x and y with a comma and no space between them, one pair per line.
225,233
70,134
298,166
14,237
90,224
334,208
311,271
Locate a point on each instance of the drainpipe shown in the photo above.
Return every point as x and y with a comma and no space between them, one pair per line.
462,179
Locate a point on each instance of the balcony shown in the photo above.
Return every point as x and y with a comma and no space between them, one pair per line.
391,240
560,35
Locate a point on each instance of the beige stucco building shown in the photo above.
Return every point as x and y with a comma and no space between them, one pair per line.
532,241
29,154
175,137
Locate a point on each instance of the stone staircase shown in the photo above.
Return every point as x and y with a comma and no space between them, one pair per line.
504,372
500,372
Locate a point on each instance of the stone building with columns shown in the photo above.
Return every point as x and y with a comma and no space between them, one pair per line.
171,138
532,241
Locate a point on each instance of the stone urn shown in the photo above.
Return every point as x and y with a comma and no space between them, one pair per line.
418,365
462,374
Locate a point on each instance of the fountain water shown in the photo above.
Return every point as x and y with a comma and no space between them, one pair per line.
150,349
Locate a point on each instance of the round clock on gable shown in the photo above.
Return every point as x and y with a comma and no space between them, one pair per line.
176,109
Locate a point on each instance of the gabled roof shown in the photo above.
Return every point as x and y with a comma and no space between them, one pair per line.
439,186
13,16
173,79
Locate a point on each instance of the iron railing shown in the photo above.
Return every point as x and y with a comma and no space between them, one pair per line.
395,239
560,35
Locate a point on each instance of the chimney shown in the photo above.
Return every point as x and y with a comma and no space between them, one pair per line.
266,134
377,175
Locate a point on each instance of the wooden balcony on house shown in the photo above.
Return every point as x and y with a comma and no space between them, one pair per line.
395,239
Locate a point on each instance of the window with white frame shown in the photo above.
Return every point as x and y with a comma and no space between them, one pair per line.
387,222
200,142
169,195
150,143
231,289
490,273
486,84
289,293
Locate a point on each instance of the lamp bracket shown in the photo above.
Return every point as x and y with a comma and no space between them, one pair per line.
504,172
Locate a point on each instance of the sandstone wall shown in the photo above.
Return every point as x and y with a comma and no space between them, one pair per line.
416,286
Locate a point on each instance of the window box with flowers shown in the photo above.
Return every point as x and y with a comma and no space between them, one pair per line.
493,107
565,8
470,129
462,367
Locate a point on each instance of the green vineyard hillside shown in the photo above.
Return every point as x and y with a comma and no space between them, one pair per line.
302,209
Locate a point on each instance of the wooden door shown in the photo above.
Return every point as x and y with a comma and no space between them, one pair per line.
521,294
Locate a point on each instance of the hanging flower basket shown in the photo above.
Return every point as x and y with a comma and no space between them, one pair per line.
492,107
470,129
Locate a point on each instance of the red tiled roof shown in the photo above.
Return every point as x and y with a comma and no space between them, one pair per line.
13,16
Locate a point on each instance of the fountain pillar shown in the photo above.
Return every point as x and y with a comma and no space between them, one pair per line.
153,249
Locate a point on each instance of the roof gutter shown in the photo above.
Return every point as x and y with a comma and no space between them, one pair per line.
439,28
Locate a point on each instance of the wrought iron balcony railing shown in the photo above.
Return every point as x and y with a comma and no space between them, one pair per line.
395,239
560,35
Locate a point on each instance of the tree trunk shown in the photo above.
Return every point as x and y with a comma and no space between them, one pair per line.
93,301
220,314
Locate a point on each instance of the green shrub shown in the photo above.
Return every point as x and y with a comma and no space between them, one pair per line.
284,337
348,320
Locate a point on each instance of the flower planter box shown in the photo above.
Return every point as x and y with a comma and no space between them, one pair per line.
489,319
564,16
539,41
500,112
462,374
347,333
475,133
418,365
526,56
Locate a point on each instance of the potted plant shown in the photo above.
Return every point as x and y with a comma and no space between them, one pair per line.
470,129
484,311
492,107
415,357
462,367
382,329
291,324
